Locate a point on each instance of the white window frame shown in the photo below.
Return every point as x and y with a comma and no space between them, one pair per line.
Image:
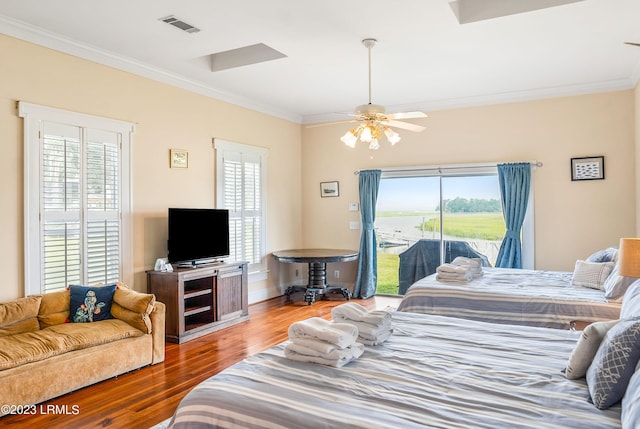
257,271
34,117
452,170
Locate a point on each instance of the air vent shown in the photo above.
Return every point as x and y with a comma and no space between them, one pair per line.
178,23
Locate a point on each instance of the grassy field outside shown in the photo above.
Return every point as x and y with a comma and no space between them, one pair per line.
471,226
388,265
483,226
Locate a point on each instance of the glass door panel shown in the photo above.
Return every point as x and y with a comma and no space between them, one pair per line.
472,217
404,208
411,227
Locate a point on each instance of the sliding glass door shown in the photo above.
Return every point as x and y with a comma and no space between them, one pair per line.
436,215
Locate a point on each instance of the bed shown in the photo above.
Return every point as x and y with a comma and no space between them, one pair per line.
513,296
434,372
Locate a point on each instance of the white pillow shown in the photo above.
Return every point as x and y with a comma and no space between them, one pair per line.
591,274
586,348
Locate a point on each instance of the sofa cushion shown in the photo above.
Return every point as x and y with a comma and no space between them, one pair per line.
54,308
20,315
90,303
35,346
133,307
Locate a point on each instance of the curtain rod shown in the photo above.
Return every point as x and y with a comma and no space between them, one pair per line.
538,164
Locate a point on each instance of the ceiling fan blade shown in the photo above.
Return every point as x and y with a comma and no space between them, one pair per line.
404,125
632,43
407,115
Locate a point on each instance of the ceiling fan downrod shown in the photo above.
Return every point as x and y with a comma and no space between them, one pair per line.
369,43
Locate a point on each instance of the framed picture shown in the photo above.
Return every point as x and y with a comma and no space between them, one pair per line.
329,189
179,158
587,168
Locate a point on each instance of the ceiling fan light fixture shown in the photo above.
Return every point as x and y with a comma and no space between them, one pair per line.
374,119
350,138
366,135
392,136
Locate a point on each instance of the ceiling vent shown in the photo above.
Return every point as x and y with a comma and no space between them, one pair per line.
178,23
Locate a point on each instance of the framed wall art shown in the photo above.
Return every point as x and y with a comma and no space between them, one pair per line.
329,189
587,168
178,158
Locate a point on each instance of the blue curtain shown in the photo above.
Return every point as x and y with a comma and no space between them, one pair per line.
515,182
367,276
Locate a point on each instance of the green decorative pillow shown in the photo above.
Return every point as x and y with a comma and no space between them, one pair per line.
90,304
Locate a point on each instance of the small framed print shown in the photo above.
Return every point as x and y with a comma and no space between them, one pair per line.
178,158
329,189
587,168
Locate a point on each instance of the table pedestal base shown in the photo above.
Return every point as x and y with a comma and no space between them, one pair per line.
318,287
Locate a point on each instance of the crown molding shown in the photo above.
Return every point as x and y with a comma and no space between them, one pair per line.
36,35
501,98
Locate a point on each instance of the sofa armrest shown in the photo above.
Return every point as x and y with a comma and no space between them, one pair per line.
157,322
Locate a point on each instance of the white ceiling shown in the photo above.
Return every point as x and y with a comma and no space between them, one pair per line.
425,59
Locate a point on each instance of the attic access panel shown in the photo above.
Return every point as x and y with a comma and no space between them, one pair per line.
478,10
244,56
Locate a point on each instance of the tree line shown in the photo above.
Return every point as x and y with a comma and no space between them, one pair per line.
473,205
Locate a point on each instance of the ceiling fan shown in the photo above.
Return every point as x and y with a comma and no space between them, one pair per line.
374,121
632,43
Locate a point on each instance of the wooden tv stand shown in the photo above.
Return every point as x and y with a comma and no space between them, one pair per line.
201,300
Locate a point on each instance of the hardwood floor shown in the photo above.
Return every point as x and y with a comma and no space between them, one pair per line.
145,397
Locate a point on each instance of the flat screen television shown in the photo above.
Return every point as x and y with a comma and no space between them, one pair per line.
197,236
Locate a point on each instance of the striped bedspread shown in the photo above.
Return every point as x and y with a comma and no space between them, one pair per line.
512,296
434,372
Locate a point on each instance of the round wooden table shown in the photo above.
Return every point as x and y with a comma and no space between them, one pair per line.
317,260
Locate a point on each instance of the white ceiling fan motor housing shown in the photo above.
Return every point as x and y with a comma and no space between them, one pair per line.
370,110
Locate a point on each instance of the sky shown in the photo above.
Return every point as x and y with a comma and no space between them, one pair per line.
422,193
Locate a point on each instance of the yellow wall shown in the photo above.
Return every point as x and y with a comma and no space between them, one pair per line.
572,219
166,117
637,178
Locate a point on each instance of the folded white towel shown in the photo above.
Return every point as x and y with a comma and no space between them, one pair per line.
462,260
340,334
474,265
453,279
367,330
464,274
318,348
322,347
453,269
356,312
291,353
381,338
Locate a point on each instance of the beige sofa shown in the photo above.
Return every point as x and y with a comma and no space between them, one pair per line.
42,356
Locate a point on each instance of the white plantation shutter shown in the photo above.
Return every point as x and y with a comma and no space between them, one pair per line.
240,184
76,199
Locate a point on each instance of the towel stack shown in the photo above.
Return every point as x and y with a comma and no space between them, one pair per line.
374,327
319,341
460,270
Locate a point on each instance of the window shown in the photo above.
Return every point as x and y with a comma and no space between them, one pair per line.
240,179
455,208
76,199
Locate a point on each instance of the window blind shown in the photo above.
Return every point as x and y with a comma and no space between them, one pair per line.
76,199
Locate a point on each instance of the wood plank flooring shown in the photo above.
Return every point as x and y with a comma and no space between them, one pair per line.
145,397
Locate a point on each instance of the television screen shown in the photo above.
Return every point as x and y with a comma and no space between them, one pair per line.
198,235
